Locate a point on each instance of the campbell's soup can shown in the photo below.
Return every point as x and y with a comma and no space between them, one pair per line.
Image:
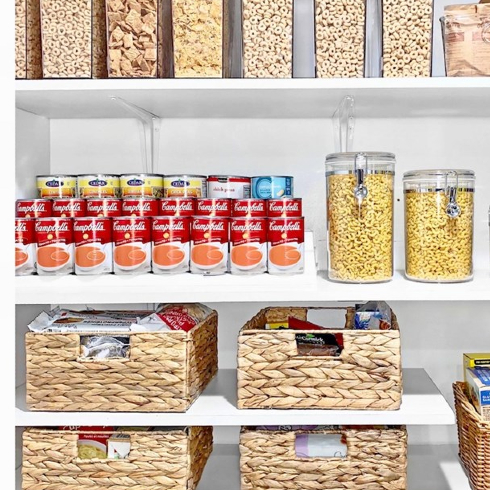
185,186
98,185
141,185
285,208
272,186
72,207
33,208
209,245
249,208
54,238
231,186
25,247
140,206
171,237
104,207
207,206
93,245
56,186
248,245
132,244
177,206
286,238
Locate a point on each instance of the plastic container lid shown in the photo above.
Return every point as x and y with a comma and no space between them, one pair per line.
375,162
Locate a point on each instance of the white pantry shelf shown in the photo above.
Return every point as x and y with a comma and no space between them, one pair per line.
239,98
422,404
429,468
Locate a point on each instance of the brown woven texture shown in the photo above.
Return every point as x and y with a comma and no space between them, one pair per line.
376,460
367,375
165,371
474,440
172,460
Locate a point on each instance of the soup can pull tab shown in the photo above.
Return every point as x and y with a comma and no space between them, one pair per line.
453,209
360,166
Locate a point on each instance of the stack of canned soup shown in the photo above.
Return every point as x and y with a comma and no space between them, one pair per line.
139,223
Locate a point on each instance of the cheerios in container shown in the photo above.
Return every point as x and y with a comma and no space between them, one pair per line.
360,216
439,225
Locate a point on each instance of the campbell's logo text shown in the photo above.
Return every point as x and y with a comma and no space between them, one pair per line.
292,226
44,228
250,226
163,227
138,226
290,206
208,226
93,226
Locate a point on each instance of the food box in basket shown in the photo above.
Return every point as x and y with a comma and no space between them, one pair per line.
275,371
167,459
145,368
370,457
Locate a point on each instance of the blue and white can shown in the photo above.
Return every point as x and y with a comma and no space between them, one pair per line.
272,187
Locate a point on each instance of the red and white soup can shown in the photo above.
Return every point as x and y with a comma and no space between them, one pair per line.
132,244
33,208
25,247
286,238
140,206
104,207
213,207
249,208
93,245
54,238
248,245
209,245
177,206
69,208
287,207
170,244
231,186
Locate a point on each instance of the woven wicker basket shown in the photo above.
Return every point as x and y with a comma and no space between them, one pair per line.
165,371
376,460
367,375
474,440
158,460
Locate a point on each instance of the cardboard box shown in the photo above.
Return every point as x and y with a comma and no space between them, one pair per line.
478,388
475,360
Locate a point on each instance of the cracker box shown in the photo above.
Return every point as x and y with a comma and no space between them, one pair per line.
478,388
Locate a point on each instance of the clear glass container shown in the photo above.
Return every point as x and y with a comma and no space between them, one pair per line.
360,216
439,225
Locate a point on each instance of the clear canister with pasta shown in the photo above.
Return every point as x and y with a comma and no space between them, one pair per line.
360,216
439,225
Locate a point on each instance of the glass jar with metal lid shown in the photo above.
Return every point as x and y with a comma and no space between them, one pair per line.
439,225
360,216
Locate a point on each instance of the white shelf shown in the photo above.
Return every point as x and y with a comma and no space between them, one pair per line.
429,468
422,404
237,98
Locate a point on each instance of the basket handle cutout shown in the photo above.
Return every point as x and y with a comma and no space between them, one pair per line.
321,446
318,344
101,347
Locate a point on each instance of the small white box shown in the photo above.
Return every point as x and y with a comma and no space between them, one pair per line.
118,446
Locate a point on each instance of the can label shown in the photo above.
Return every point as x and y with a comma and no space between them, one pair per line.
249,208
140,206
33,208
25,247
229,186
286,238
98,186
171,240
54,237
106,207
69,208
213,207
248,245
93,245
132,245
209,245
272,187
177,206
285,208
184,186
141,185
56,186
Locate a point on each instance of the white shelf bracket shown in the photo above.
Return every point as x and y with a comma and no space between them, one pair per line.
344,120
151,133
